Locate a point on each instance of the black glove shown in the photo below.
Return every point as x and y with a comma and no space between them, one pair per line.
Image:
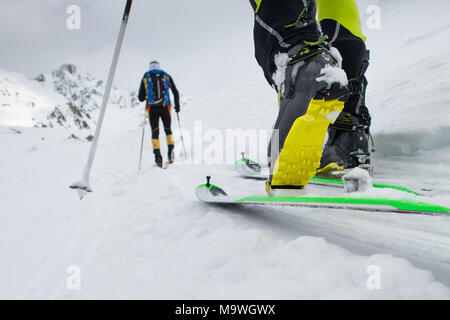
177,109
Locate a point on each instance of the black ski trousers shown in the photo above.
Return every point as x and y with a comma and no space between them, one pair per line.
282,24
154,114
276,30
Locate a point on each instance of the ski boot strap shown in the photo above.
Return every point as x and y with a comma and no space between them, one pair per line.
343,126
306,50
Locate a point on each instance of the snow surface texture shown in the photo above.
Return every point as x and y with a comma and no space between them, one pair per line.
409,76
146,236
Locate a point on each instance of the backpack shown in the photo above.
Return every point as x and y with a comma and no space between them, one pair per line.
157,88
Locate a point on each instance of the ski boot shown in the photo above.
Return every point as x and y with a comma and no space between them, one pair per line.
349,137
170,154
309,103
347,146
158,158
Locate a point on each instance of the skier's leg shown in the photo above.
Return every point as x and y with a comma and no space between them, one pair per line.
167,122
293,54
340,21
277,30
153,115
348,143
345,12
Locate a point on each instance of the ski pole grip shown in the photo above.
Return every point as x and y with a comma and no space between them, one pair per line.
208,179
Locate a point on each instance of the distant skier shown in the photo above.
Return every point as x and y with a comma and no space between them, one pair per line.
154,89
294,51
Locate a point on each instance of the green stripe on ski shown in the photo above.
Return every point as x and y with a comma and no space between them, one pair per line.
375,185
402,205
245,161
386,186
208,187
337,182
324,180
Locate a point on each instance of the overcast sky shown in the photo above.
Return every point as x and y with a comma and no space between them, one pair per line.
204,44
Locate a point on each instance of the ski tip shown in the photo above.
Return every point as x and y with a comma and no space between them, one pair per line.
247,167
209,192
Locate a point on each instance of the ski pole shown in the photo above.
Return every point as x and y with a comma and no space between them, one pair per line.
181,134
142,146
82,187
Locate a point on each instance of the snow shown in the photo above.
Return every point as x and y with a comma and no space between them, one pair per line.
67,98
147,236
357,180
337,56
23,101
332,74
281,62
411,77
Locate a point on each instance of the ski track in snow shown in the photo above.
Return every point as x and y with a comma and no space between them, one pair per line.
144,235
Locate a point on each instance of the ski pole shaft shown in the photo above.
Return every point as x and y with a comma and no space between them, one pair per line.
142,146
181,134
109,83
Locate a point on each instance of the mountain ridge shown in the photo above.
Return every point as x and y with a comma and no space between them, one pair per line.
68,97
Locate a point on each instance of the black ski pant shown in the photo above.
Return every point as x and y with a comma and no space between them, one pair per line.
275,30
155,113
282,24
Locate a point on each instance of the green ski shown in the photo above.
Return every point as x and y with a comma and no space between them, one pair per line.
210,193
252,170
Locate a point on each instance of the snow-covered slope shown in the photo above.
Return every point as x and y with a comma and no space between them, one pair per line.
146,236
66,98
25,103
409,77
